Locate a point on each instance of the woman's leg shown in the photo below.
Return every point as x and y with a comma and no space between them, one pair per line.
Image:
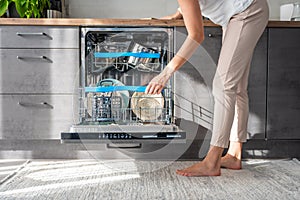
231,78
241,37
238,134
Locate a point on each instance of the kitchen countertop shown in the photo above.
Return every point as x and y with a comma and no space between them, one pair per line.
118,22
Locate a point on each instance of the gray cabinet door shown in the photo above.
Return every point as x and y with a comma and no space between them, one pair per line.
36,116
193,82
283,115
257,90
39,37
39,70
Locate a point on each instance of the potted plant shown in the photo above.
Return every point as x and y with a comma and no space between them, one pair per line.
25,8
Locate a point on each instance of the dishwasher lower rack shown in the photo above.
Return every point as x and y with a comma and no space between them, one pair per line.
114,133
125,105
110,117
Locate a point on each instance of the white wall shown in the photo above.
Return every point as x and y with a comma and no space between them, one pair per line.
121,8
139,8
275,7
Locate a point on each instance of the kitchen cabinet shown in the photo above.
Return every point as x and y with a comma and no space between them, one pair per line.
283,111
194,81
39,81
257,89
34,37
35,116
38,70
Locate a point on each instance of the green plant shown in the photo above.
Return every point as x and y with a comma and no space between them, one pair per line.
4,6
26,8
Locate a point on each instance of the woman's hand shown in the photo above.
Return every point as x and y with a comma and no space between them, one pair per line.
157,84
176,15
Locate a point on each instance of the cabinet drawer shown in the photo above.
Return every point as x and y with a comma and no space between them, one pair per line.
38,37
35,116
39,70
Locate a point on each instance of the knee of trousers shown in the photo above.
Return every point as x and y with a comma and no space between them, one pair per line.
221,88
242,93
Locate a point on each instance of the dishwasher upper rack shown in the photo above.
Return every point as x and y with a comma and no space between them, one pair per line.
102,105
141,58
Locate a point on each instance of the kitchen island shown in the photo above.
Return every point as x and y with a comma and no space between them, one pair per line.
37,103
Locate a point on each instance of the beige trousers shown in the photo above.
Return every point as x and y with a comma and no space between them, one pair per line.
231,79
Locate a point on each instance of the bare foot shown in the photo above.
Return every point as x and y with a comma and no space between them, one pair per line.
231,162
200,169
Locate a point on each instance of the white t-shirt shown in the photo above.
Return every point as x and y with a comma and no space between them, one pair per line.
220,11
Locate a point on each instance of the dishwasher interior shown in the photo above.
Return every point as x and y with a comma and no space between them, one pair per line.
116,66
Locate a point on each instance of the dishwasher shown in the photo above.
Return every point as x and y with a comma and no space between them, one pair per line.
116,66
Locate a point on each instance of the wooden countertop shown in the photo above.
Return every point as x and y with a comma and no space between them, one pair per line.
118,22
92,22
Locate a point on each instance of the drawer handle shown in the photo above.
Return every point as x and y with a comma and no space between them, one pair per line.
34,34
211,35
45,58
124,146
36,105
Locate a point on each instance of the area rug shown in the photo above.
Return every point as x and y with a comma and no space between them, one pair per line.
9,168
130,179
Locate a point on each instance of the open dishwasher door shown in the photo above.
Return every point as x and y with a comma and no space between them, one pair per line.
116,66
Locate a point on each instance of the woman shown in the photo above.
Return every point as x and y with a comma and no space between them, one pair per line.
243,22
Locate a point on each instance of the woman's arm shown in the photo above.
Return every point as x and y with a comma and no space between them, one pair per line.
192,18
193,21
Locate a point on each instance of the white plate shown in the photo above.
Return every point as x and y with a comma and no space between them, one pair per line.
147,107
